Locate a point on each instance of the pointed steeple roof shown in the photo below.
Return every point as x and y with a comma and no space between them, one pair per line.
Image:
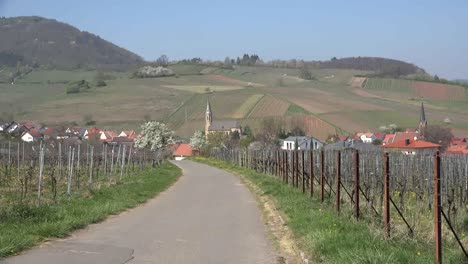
208,106
422,115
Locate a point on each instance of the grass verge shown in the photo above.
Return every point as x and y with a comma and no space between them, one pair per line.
22,226
330,238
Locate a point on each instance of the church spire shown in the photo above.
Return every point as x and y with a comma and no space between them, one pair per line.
422,121
208,106
422,114
208,117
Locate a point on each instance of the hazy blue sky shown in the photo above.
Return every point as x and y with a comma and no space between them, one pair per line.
432,34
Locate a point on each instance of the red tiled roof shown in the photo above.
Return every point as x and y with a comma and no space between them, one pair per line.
34,133
109,134
413,144
388,138
183,150
342,138
173,147
402,136
458,149
29,125
129,133
367,134
379,135
94,130
459,141
48,131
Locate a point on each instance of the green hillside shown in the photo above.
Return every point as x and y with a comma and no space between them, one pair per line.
245,93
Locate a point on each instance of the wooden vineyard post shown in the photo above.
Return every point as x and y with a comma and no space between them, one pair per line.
303,172
322,175
41,174
293,168
287,167
277,163
69,170
90,181
386,195
356,185
293,164
437,210
280,165
338,181
311,175
296,169
281,173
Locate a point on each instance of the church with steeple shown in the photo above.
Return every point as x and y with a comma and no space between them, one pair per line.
219,126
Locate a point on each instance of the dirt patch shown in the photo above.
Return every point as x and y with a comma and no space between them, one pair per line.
357,82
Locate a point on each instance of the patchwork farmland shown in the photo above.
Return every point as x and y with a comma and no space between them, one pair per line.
245,93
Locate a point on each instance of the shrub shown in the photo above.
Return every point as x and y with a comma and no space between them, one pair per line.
101,83
72,89
76,86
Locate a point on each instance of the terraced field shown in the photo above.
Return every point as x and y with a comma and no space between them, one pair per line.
247,106
387,84
269,106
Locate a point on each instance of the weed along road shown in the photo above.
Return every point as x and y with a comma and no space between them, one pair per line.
208,216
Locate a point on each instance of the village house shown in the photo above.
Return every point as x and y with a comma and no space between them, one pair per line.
222,126
73,131
366,137
107,136
31,136
303,143
457,149
91,132
46,133
4,126
183,151
400,136
412,147
12,128
129,134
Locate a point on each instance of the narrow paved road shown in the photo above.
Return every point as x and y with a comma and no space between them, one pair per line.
208,216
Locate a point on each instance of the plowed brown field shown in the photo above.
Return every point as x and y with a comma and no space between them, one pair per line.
438,91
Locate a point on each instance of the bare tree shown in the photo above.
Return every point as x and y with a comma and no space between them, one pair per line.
269,131
163,60
439,135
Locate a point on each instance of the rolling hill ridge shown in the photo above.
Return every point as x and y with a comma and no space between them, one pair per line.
40,41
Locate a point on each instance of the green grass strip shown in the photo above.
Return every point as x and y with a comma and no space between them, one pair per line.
22,226
294,109
330,238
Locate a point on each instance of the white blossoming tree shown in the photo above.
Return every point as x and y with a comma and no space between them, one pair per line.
155,136
198,140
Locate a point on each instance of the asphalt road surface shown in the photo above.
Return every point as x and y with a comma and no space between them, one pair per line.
208,216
